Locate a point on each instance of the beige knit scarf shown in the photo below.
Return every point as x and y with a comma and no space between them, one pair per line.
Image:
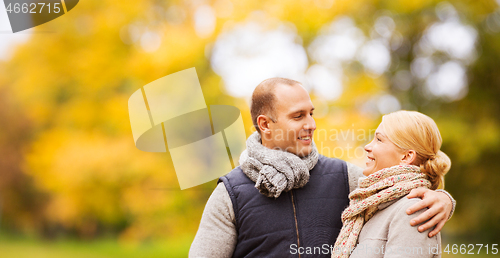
385,185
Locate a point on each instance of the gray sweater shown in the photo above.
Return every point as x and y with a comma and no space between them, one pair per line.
217,235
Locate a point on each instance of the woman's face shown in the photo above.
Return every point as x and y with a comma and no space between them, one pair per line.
382,153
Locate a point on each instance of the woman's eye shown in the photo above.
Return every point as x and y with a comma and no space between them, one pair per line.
378,139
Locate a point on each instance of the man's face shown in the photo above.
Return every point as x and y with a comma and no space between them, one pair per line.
294,126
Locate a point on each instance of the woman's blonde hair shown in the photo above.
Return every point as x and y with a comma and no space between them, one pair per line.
411,130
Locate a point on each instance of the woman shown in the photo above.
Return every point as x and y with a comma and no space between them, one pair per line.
404,155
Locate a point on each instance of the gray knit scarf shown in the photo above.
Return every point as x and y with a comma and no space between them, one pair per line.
275,171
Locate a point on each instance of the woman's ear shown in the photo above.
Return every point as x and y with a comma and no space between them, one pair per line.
409,157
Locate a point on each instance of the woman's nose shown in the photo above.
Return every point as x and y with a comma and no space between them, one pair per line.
368,147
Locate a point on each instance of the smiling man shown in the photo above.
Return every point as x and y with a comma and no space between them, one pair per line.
285,199
289,126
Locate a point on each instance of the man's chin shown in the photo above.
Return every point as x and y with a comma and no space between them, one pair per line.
304,152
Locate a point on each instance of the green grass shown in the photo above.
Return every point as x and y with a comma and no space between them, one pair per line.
33,248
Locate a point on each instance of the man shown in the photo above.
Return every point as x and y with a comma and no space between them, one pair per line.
286,200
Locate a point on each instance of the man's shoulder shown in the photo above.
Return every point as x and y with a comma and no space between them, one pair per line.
330,160
235,177
330,164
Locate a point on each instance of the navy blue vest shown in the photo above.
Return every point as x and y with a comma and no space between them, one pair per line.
303,221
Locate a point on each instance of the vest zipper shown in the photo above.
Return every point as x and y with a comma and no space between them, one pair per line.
296,223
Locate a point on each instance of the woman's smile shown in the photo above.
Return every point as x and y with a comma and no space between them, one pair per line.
381,153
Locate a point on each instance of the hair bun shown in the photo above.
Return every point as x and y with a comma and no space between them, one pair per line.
411,130
436,166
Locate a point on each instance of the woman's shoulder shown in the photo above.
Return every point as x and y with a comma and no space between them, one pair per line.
393,213
397,218
390,227
399,206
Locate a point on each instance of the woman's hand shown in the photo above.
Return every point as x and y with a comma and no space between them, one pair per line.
439,205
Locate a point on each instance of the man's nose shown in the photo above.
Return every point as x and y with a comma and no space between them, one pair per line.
310,124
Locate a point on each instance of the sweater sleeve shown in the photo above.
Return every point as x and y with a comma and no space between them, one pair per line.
216,236
403,240
453,202
354,173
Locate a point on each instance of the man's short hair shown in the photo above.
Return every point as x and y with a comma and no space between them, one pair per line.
263,98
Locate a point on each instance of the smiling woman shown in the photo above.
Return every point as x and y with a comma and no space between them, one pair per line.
381,153
404,155
417,135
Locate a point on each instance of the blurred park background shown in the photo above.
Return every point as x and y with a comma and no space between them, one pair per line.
72,183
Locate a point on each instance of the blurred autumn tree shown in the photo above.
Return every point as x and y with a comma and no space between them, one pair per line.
69,165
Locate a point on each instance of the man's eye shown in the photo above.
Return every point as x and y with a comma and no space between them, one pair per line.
312,114
299,116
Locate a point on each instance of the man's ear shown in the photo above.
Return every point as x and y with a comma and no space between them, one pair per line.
409,157
263,123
